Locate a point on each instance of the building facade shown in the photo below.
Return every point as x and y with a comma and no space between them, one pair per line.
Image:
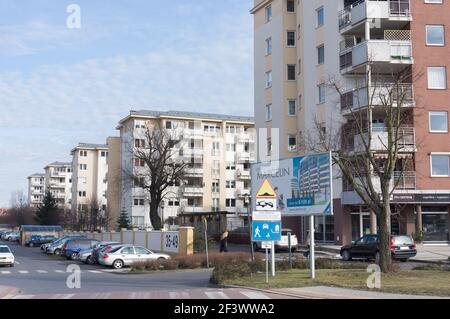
113,180
218,150
36,189
58,180
89,164
301,47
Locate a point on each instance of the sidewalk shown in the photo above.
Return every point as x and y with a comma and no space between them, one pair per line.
322,292
8,292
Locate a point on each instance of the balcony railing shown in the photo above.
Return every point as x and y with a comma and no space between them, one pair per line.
373,9
401,180
244,174
406,143
193,191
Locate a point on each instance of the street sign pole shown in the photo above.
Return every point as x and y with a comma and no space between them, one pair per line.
290,249
267,265
273,258
311,247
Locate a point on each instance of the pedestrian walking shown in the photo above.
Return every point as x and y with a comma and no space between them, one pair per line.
224,242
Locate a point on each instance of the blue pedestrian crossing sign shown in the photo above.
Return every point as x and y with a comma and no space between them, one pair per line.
266,230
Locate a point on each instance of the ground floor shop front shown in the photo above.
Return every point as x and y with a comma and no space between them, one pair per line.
350,222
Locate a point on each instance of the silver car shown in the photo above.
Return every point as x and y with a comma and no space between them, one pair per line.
126,255
88,256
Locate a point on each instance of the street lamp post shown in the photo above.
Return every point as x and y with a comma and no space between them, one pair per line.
161,206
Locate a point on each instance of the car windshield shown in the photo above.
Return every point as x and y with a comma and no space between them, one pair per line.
403,240
4,250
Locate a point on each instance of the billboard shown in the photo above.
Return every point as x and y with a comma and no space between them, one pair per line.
303,185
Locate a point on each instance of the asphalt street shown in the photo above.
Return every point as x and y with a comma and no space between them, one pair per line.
38,275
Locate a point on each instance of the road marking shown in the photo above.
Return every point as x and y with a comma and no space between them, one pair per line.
68,296
254,295
16,262
216,295
179,295
5,272
60,271
24,271
95,271
42,271
23,297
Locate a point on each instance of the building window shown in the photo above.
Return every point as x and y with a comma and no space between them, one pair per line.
268,46
173,202
437,78
168,125
139,162
83,167
290,5
321,55
230,184
231,166
269,112
320,16
321,93
291,75
292,143
290,38
268,13
439,122
434,1
82,194
435,35
231,147
269,146
138,202
139,143
83,153
215,205
440,165
268,79
215,187
139,124
104,154
215,149
230,202
292,107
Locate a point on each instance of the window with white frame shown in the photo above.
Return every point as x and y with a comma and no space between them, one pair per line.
230,184
290,6
437,77
268,13
292,142
269,46
321,93
434,1
231,147
230,202
440,165
290,38
215,186
268,79
320,16
138,202
292,107
215,149
435,35
231,166
215,204
269,112
439,122
291,75
321,54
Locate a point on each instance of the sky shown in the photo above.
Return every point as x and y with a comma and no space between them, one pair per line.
61,85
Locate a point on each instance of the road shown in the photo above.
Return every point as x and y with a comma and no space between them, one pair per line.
38,275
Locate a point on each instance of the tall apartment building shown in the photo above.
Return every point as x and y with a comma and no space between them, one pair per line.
58,180
89,163
113,180
218,148
36,189
299,45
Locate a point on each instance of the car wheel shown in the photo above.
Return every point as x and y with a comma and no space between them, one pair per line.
57,251
90,260
346,255
73,256
377,258
12,265
31,245
160,259
117,264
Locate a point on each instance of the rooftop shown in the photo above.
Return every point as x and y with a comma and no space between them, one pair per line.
90,146
37,175
59,164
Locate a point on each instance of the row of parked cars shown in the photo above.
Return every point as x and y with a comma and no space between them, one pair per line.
10,235
91,251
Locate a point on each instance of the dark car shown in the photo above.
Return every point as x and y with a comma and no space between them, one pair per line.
71,247
367,247
37,240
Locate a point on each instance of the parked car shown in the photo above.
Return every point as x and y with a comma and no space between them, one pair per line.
9,234
90,256
284,242
126,255
5,233
55,247
72,247
37,240
14,237
367,247
104,249
6,256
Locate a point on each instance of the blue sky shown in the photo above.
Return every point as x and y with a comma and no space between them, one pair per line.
61,86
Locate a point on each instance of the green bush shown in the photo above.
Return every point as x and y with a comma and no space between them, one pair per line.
419,237
223,272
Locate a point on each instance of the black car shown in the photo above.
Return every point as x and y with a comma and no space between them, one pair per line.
37,240
367,247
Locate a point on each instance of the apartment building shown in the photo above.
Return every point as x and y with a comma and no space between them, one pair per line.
218,148
36,189
113,180
89,164
58,180
302,45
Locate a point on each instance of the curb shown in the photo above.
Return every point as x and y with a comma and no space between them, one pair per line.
271,292
425,261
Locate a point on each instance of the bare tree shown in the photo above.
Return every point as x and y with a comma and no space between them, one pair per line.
20,212
368,155
156,166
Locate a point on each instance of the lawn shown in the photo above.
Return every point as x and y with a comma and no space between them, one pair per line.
418,282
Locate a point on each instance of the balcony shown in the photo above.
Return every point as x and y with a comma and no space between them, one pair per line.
389,54
407,142
244,174
243,192
401,181
192,152
192,210
390,13
193,191
244,157
196,134
246,137
194,171
379,95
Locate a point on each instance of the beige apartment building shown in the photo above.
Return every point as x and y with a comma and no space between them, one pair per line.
36,189
58,180
300,45
89,163
218,148
113,180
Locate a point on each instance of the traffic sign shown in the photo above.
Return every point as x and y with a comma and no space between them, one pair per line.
266,230
266,190
266,245
269,216
266,204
